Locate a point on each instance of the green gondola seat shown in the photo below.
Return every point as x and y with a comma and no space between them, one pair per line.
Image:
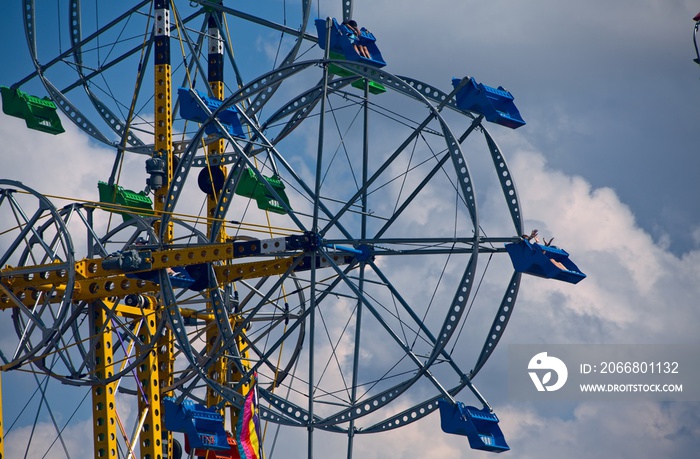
127,201
38,113
251,186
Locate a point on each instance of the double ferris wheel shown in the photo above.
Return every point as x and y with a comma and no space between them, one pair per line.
300,249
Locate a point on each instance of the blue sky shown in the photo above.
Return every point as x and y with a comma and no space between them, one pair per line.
607,163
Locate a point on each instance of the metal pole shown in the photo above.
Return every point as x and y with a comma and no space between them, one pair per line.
317,197
363,235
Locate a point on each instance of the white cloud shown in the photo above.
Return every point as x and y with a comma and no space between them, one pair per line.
695,232
620,429
65,165
77,441
631,279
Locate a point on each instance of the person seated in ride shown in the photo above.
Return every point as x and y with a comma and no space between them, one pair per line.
359,48
533,238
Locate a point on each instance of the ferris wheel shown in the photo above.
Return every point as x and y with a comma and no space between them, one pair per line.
306,252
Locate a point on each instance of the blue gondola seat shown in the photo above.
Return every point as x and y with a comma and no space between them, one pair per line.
544,261
480,426
343,39
496,104
202,426
231,453
179,278
190,110
132,260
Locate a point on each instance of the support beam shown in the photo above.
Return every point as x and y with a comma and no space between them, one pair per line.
158,365
104,416
166,368
150,437
163,143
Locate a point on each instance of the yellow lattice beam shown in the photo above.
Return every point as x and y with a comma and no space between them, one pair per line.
103,396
